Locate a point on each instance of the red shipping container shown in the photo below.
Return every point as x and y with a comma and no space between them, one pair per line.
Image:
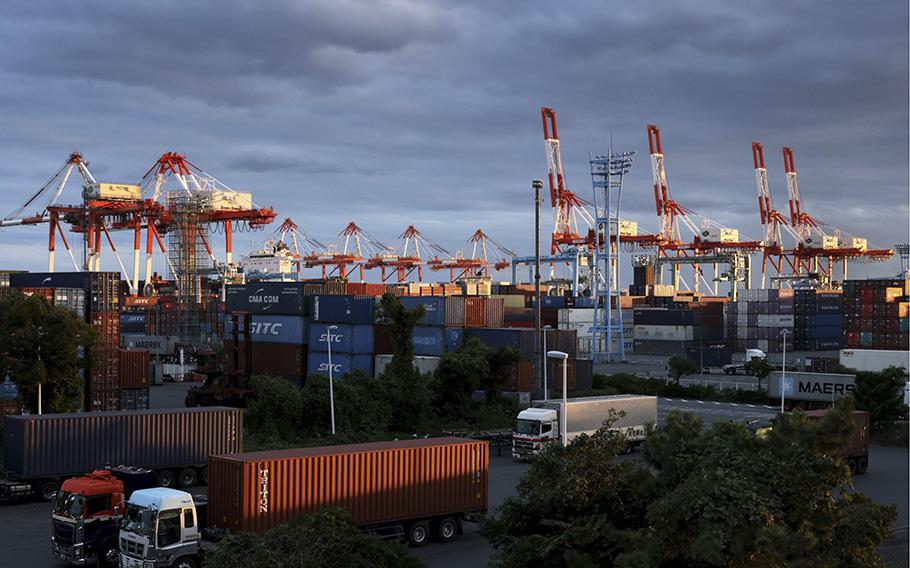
134,369
378,483
46,293
521,374
475,312
9,408
493,312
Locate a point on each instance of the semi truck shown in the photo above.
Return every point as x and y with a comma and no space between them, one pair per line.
412,490
86,514
40,451
163,447
540,425
739,368
809,390
856,451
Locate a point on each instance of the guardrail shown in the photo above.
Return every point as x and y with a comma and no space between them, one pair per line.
496,438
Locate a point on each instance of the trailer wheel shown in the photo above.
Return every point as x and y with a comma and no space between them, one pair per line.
185,562
204,474
109,555
446,529
862,465
419,534
851,463
165,478
45,490
187,477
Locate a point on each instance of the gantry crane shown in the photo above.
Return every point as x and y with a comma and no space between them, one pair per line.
774,223
358,246
712,243
460,266
405,258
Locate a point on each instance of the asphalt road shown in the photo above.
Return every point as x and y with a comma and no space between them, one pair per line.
25,526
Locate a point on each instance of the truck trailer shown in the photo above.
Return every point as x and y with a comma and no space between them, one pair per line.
541,424
809,390
410,490
856,451
874,360
40,451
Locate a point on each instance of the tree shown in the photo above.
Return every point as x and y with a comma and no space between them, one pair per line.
473,367
40,344
275,409
409,394
760,367
681,366
327,539
699,497
882,395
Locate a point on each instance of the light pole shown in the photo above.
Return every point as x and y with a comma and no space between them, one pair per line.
537,185
565,401
328,340
546,386
783,374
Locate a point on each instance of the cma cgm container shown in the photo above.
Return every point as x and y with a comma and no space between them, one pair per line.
175,443
409,488
273,298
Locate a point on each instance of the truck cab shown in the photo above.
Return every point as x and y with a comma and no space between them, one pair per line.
534,428
160,528
86,514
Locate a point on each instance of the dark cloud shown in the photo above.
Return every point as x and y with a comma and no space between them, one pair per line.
401,112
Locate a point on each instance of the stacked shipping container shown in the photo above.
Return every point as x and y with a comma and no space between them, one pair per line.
818,318
758,319
876,314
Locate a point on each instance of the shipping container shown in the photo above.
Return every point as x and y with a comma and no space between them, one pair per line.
155,344
810,388
377,483
341,336
362,340
341,309
454,338
272,329
429,341
134,369
664,317
434,309
318,364
666,332
874,360
272,298
134,399
423,364
279,359
112,192
63,445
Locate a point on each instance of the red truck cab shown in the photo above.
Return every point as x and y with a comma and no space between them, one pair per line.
87,512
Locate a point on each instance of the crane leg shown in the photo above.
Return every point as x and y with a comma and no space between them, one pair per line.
50,243
228,242
137,242
148,251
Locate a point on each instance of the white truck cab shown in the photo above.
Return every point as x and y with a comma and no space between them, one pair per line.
534,428
160,528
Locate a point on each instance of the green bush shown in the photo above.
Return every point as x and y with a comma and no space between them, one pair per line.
624,383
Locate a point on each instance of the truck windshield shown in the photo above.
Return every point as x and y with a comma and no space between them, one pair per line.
138,519
69,504
528,427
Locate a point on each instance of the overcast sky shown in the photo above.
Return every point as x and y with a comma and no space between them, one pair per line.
395,113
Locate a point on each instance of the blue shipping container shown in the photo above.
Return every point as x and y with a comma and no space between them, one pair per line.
454,338
434,309
273,329
429,340
828,320
278,298
497,337
341,337
318,364
362,339
341,309
132,328
363,363
827,332
132,318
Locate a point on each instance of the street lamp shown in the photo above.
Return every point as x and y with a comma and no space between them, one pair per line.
546,387
783,374
538,359
328,340
565,401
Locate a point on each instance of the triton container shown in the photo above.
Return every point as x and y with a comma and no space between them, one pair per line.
40,451
403,489
856,450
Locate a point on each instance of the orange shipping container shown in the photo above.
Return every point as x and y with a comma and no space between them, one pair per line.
134,369
520,376
892,294
378,483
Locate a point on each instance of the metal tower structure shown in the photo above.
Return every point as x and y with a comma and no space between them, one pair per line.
607,173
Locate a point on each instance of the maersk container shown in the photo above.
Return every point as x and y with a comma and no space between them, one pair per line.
362,340
156,344
318,364
273,329
815,388
405,483
319,334
341,309
429,340
53,446
434,308
271,298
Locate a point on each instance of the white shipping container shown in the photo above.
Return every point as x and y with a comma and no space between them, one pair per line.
742,319
829,243
665,332
762,344
575,315
720,235
664,290
874,360
781,320
113,191
230,200
627,228
421,363
853,242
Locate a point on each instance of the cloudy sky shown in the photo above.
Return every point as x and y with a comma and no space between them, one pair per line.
426,113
